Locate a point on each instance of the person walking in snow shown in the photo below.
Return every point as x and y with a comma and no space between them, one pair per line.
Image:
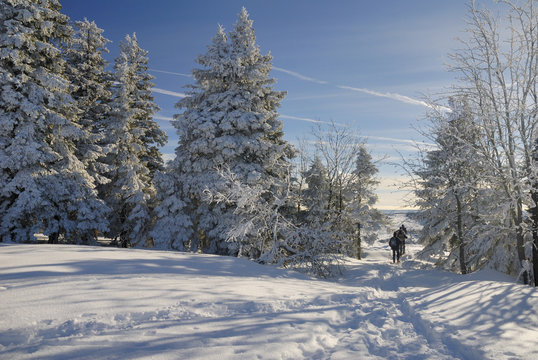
402,235
394,244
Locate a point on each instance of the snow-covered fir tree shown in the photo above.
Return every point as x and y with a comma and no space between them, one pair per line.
44,186
144,107
230,119
91,86
129,126
363,196
451,193
315,196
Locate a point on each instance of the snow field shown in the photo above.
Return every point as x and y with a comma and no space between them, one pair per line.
65,302
272,315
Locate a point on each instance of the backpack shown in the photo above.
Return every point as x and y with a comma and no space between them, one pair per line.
393,242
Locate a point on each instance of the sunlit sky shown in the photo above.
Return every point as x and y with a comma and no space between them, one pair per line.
364,64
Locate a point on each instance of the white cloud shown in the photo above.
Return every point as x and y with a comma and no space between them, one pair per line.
299,76
168,92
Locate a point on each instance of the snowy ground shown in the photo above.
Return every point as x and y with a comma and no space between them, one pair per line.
76,302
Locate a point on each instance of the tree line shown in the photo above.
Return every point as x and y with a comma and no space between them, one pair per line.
79,151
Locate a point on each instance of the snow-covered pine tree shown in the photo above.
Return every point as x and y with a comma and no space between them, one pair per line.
130,192
173,227
315,196
229,119
363,196
44,186
365,180
449,193
145,107
91,86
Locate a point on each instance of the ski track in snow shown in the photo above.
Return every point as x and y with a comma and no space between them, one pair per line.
66,302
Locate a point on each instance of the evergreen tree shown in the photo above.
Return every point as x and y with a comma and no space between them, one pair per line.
365,181
229,118
144,107
315,196
91,91
450,179
44,186
363,196
130,192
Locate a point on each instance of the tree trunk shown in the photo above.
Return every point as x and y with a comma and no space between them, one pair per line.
53,238
534,217
463,267
520,239
359,245
535,256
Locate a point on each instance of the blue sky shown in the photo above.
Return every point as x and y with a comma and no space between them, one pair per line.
364,64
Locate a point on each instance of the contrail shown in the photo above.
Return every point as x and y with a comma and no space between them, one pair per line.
310,120
168,92
167,118
394,96
303,119
299,76
405,141
170,72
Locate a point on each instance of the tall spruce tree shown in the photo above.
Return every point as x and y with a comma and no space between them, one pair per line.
91,90
44,186
144,108
129,126
450,179
229,119
315,196
363,196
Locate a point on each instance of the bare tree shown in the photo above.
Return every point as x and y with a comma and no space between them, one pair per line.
351,181
498,71
338,147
